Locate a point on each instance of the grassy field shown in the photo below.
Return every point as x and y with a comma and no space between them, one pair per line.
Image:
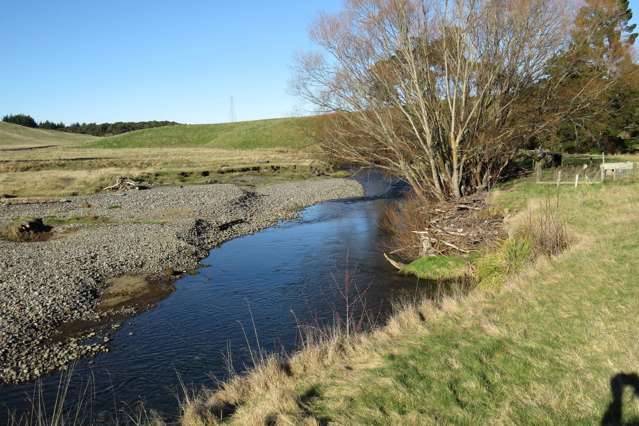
538,347
248,153
13,136
290,133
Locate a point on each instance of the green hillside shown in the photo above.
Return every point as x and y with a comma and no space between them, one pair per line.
276,133
13,136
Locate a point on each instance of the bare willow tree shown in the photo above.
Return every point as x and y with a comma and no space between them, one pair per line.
442,93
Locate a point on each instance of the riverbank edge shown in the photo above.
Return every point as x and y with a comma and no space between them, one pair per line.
89,337
288,390
265,392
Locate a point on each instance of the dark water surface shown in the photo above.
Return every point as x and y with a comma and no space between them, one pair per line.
286,275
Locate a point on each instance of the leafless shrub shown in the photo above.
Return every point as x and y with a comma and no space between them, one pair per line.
400,220
545,231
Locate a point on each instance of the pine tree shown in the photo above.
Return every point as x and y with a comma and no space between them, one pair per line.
603,33
602,41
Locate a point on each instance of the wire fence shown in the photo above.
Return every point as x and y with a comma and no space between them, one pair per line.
585,170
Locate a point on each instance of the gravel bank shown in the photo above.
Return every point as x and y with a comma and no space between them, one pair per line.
44,285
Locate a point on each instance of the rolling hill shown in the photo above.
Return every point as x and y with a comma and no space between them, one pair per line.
292,133
13,136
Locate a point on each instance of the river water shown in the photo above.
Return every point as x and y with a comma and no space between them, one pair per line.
251,292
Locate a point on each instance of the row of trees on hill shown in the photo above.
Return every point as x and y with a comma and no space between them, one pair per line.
95,129
446,93
21,120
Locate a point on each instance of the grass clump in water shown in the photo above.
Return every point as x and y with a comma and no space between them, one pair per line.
438,267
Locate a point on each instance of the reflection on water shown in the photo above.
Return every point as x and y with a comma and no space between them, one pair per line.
273,280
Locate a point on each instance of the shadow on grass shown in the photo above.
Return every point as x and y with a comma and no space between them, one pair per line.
614,414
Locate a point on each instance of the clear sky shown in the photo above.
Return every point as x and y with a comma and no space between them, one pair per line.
134,60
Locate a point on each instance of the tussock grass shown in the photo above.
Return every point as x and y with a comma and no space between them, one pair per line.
539,350
544,230
494,267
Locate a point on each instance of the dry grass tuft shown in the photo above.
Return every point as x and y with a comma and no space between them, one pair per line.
545,231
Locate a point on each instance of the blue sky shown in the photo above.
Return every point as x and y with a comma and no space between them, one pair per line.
134,60
79,60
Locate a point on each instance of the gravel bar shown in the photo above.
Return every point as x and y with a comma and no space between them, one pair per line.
45,285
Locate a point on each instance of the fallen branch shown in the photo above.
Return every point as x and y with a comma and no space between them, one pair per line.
453,246
398,265
456,234
467,207
124,183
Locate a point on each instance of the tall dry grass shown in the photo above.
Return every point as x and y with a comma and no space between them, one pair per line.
272,376
399,222
544,229
73,405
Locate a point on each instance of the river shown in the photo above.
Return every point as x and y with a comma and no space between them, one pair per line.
251,292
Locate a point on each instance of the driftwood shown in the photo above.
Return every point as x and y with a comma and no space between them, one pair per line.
467,207
398,265
427,242
453,246
456,228
123,183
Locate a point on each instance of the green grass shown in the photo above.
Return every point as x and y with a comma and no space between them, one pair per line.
288,133
552,346
13,136
540,348
438,267
493,268
249,153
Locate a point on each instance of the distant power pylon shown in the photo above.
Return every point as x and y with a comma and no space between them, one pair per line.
233,117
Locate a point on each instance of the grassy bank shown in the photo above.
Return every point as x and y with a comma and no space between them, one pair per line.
247,153
539,347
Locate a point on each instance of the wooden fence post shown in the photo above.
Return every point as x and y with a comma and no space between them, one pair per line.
558,178
538,170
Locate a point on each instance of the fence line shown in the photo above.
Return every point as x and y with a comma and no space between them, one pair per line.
586,173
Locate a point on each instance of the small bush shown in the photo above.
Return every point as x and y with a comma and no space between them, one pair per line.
516,253
545,231
399,221
493,268
542,233
29,231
